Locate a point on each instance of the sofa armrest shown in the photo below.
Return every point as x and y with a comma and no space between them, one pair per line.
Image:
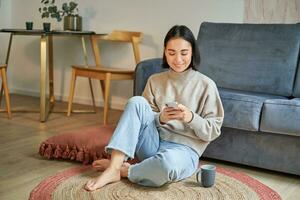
143,71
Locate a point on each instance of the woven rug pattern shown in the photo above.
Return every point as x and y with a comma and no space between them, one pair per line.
229,185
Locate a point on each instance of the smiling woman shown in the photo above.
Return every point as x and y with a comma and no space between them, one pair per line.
180,49
168,141
179,54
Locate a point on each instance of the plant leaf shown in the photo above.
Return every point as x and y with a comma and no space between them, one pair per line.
64,6
73,5
45,15
52,9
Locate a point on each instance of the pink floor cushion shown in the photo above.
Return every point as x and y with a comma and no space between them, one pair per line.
84,145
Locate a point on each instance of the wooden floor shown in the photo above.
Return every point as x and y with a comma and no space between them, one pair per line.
21,167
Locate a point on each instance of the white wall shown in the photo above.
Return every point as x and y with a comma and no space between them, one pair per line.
5,21
154,18
270,11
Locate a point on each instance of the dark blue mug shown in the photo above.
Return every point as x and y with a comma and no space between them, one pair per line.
206,175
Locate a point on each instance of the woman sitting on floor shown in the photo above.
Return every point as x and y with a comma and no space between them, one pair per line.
167,140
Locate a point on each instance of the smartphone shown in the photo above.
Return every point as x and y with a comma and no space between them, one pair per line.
172,104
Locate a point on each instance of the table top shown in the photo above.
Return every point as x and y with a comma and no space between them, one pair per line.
42,32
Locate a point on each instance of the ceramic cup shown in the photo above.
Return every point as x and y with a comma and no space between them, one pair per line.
29,25
206,175
46,26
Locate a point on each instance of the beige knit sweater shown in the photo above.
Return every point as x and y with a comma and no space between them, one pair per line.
195,91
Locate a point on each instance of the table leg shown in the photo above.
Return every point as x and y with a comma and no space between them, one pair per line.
51,76
43,79
6,62
8,49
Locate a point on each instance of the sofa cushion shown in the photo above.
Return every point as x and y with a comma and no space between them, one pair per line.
250,57
242,109
281,116
296,92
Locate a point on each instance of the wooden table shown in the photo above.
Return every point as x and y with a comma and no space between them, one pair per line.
46,54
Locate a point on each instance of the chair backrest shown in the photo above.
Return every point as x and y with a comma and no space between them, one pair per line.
118,36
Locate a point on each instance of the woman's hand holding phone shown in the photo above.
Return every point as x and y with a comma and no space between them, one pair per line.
172,104
175,111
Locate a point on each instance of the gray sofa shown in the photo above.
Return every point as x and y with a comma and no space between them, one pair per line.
256,68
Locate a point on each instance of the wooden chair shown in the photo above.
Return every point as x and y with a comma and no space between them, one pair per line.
104,73
4,87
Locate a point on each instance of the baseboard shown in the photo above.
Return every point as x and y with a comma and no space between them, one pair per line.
117,103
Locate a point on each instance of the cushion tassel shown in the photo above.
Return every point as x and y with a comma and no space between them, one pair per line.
80,155
73,153
57,152
86,157
48,152
42,149
66,152
94,156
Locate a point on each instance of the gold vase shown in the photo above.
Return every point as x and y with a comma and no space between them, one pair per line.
72,23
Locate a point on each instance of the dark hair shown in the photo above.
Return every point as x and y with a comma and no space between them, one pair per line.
181,31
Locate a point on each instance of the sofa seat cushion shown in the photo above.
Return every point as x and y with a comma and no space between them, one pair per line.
243,109
281,116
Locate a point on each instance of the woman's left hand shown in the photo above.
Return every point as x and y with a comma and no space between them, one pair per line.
186,115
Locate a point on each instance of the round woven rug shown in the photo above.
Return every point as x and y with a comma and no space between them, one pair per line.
229,185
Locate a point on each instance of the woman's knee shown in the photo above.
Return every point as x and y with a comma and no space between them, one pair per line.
164,173
139,103
155,174
173,169
137,100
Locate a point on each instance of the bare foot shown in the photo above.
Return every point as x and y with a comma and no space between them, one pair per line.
110,175
124,170
103,164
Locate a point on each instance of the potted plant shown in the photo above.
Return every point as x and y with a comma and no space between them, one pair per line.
68,12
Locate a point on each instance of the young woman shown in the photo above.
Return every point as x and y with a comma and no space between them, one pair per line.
167,140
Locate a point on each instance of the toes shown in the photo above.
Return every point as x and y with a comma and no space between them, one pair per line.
95,163
88,185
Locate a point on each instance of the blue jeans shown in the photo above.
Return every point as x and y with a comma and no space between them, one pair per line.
161,161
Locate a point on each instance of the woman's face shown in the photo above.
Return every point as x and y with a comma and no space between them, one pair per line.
178,53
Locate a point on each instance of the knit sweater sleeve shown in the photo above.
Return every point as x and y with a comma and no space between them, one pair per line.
207,122
149,95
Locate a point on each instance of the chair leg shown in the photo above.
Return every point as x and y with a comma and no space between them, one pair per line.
7,99
1,93
102,87
72,89
106,97
92,94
